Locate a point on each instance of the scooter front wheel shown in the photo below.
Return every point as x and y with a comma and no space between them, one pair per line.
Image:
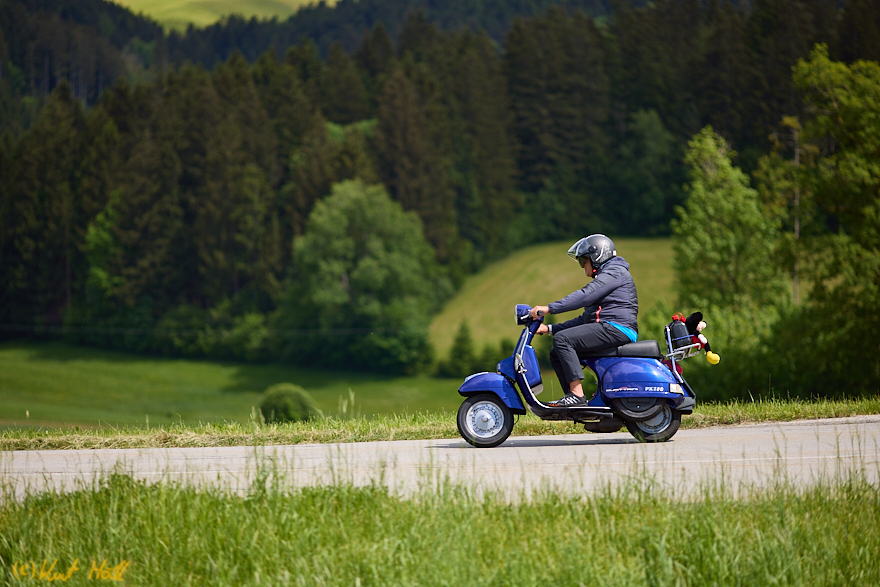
660,428
484,421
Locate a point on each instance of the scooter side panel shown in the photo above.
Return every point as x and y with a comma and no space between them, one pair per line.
634,377
493,383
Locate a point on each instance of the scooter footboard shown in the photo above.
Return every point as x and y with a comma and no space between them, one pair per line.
493,383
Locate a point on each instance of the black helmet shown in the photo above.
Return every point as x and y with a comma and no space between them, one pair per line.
597,248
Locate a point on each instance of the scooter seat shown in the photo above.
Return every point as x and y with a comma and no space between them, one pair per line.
646,349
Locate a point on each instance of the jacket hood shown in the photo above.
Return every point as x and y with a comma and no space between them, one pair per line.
614,262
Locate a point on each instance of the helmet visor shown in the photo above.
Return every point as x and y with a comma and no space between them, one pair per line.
578,249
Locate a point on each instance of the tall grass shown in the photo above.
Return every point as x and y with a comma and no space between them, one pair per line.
636,534
419,426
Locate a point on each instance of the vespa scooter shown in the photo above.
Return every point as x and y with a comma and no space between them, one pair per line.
635,389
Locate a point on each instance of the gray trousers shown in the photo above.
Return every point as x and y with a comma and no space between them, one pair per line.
571,344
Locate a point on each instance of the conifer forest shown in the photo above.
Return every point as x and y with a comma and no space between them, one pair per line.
312,190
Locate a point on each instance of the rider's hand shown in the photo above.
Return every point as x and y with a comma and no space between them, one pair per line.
534,311
542,329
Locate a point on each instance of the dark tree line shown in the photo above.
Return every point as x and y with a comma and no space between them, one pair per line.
89,44
160,214
345,22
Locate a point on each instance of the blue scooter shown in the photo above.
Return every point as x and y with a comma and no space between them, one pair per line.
636,389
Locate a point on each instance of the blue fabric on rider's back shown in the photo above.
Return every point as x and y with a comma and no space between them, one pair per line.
629,332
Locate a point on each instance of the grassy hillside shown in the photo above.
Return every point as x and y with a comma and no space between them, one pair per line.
539,275
177,14
60,384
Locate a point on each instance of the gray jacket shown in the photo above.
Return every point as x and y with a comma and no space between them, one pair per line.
610,297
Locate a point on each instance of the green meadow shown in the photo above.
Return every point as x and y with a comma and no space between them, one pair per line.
177,14
51,384
541,274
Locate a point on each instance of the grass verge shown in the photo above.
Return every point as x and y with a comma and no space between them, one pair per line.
636,534
419,426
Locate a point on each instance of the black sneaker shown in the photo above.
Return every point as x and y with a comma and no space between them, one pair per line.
570,400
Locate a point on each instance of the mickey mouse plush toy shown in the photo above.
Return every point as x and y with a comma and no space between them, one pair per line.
695,326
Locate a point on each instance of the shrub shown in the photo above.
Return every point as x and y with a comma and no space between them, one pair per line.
286,402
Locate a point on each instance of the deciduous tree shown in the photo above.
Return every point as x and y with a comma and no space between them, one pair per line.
723,243
363,284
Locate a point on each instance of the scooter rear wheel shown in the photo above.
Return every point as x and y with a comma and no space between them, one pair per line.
484,421
660,428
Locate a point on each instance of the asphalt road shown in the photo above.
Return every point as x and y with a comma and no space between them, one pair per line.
740,457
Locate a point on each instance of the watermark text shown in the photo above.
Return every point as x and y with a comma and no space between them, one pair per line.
51,572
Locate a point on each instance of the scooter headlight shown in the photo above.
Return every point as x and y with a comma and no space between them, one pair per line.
676,388
522,314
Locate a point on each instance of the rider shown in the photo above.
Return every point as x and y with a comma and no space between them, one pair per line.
611,307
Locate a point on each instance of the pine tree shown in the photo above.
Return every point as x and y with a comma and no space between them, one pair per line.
722,84
99,171
45,214
285,102
311,175
658,56
647,176
560,93
347,99
237,91
375,57
230,226
780,32
559,88
232,247
414,170
145,230
858,32
485,165
418,36
309,69
7,242
462,358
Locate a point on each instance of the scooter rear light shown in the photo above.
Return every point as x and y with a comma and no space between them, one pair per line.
675,388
